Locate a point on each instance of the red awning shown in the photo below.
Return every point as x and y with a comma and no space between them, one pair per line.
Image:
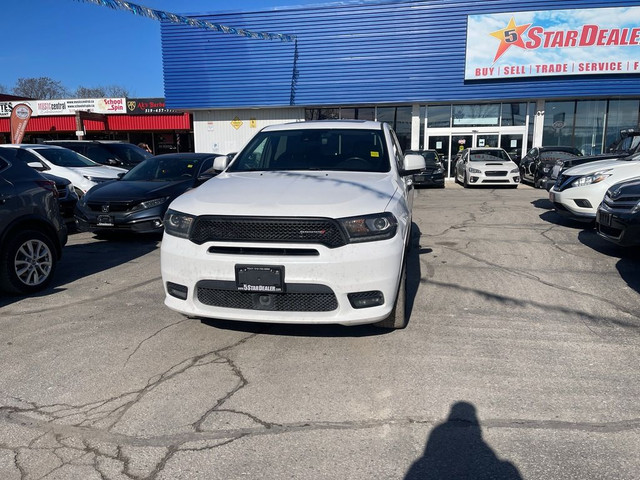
67,123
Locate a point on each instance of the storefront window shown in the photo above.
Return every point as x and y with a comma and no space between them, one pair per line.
321,114
438,116
589,126
622,114
399,118
479,115
514,114
558,124
362,113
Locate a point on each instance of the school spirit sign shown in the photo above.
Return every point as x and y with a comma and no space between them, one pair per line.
553,42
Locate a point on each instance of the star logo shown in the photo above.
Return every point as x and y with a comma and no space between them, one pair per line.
508,36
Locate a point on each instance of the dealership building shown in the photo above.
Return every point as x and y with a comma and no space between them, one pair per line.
445,74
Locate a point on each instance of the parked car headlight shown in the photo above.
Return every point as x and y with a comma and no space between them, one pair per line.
149,204
178,224
589,179
474,170
367,228
515,170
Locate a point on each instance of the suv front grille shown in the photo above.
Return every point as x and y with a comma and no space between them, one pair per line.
113,206
623,203
267,229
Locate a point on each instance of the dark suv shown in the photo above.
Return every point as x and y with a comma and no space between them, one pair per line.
32,232
106,152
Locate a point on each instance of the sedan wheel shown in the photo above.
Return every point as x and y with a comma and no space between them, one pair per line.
398,316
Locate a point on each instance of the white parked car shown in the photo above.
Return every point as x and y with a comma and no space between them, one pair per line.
82,172
310,223
579,190
486,166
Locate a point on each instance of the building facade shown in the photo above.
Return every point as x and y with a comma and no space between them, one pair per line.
445,74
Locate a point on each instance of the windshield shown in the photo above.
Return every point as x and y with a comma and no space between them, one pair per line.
129,153
164,169
63,157
497,155
314,149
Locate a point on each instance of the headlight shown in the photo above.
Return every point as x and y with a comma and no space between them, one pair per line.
589,179
178,224
515,170
636,209
474,170
149,204
368,228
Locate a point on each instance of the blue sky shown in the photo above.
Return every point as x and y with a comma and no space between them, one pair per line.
82,44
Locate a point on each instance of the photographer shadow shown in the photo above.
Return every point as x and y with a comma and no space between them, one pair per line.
455,450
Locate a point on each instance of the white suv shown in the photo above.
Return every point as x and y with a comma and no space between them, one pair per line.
310,223
579,190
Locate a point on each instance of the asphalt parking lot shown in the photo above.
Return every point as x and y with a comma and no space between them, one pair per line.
520,360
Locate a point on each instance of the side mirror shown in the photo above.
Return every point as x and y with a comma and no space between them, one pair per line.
413,163
41,167
220,163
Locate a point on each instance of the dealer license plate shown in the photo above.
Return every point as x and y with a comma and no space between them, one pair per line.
105,221
260,278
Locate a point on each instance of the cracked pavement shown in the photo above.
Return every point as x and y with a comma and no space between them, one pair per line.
522,350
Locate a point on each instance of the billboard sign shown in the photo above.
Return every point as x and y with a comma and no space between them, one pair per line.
553,42
149,106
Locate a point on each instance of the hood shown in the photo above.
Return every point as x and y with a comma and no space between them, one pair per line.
595,166
103,171
309,194
628,187
119,191
490,165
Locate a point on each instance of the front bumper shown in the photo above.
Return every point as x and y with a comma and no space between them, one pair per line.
353,268
428,180
142,221
574,203
483,179
620,228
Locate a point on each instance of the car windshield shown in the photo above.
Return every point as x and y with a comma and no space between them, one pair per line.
314,149
63,157
129,153
554,155
431,158
489,156
163,169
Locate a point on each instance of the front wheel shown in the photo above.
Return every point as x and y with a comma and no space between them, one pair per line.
397,319
465,182
27,263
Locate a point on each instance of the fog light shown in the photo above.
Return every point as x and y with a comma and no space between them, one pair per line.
178,291
366,299
157,223
473,179
581,202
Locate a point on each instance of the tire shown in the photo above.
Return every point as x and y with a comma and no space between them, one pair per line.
28,262
397,319
465,183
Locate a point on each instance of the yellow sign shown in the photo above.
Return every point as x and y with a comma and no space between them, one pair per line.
253,123
236,123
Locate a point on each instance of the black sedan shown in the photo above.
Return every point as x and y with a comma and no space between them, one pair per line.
433,173
618,216
536,166
139,199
